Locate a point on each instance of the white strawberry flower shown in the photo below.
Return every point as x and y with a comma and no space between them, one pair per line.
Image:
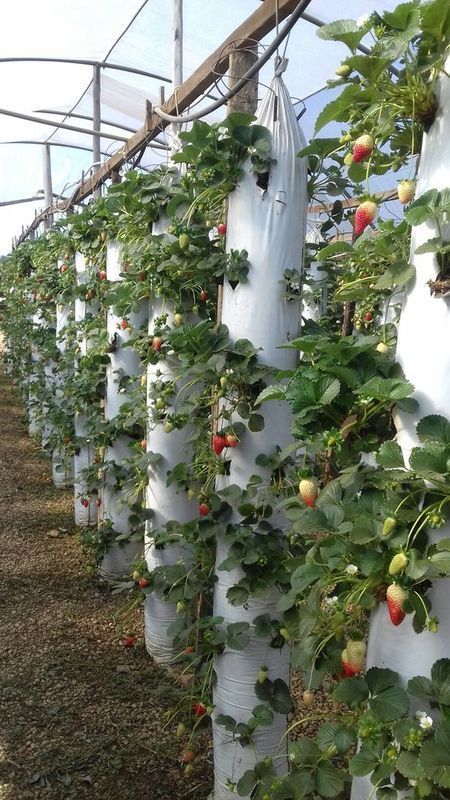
331,601
351,569
222,133
213,234
362,21
412,782
426,722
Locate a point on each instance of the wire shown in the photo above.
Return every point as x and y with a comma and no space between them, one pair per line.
287,27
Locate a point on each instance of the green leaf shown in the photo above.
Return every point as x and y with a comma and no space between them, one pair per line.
329,779
440,671
365,762
262,715
263,625
229,723
430,460
305,575
353,692
390,704
386,388
420,687
435,762
337,108
281,700
379,679
343,30
271,393
246,783
408,765
423,208
441,562
237,595
434,428
390,456
256,423
386,793
238,637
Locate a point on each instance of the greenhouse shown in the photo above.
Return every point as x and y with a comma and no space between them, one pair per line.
225,451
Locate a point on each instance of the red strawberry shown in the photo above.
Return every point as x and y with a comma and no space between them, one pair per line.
395,598
221,229
405,191
102,275
63,268
156,343
348,672
368,316
144,582
364,215
203,509
84,502
124,324
203,296
218,443
188,756
98,503
356,653
128,641
199,709
231,440
362,148
308,491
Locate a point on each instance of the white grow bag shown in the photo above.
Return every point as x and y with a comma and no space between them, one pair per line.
62,464
84,515
424,353
270,225
124,360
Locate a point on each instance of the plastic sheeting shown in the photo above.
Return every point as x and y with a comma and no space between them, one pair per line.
424,323
270,225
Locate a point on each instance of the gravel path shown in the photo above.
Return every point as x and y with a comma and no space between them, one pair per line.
80,716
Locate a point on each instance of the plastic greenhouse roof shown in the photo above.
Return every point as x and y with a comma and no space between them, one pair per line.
135,34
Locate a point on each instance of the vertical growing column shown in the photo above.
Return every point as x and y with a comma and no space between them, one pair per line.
424,353
270,225
168,503
124,362
62,463
85,506
34,425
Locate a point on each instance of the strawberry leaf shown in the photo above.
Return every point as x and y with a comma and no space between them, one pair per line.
434,428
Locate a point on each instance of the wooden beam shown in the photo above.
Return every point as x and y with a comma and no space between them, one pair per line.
353,202
252,30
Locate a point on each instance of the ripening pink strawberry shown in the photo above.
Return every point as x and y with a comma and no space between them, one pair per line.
362,148
364,215
356,653
308,491
395,598
347,670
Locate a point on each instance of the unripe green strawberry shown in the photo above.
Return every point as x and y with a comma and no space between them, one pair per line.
398,563
308,491
405,191
180,730
183,241
356,653
362,148
389,525
223,382
364,215
343,71
262,674
382,347
346,137
348,159
395,598
285,634
308,698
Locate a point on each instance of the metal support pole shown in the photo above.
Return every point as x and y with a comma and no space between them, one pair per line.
96,120
48,188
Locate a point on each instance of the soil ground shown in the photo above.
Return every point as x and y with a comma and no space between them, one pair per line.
80,715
